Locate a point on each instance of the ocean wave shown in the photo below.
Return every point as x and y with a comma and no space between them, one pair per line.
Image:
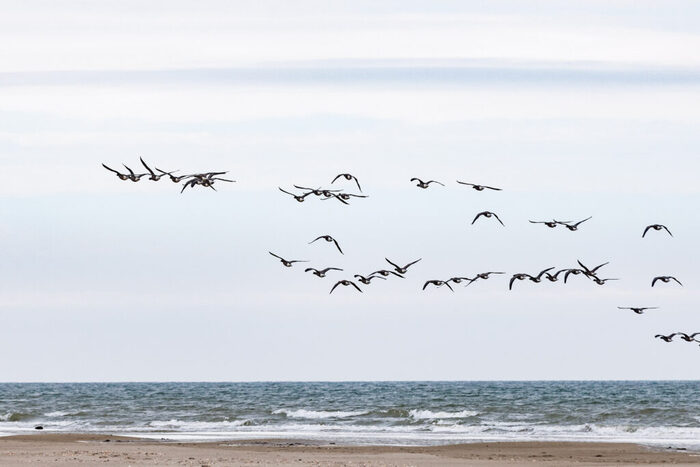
186,425
16,417
314,414
57,413
430,415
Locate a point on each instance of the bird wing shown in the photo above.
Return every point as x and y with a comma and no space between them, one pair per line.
449,287
332,269
276,256
317,238
499,219
285,191
666,229
412,263
111,170
566,276
653,281
646,230
491,188
130,171
581,222
393,264
357,182
414,179
679,282
543,271
334,286
599,266
477,216
465,183
336,178
310,269
427,283
510,285
355,285
337,246
146,165
435,181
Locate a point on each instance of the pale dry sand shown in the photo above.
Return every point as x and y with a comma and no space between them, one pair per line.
77,449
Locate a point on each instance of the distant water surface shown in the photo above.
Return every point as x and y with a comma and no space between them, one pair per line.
654,413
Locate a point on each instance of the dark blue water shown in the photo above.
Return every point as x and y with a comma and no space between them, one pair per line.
364,413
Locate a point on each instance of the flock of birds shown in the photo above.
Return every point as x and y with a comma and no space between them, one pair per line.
204,179
207,179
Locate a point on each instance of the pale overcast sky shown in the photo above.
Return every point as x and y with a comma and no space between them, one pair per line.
575,109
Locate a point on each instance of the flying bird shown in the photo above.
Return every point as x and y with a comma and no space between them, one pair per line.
155,177
119,174
367,280
318,191
422,184
348,177
488,214
479,187
299,198
518,277
458,280
600,281
346,283
668,338
688,338
590,273
173,178
574,227
133,176
554,277
551,224
386,272
437,283
638,309
329,239
286,262
656,227
538,277
402,270
665,279
321,272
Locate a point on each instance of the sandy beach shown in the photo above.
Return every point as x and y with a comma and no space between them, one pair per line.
75,449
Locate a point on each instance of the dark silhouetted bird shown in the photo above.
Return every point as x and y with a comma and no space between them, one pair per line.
656,227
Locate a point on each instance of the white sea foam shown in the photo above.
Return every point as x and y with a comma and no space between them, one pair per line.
185,425
315,414
430,415
57,413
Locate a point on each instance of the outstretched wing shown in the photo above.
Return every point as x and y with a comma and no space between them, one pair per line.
477,216
357,182
679,282
581,222
412,263
336,178
393,264
492,188
646,230
146,165
317,238
337,246
465,183
666,229
435,181
654,281
355,285
276,256
510,285
285,191
111,170
499,219
333,288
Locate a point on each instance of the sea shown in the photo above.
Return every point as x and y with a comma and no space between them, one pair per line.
655,413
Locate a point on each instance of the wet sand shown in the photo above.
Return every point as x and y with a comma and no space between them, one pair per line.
79,449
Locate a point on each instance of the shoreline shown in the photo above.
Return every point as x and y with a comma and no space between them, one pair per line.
63,449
